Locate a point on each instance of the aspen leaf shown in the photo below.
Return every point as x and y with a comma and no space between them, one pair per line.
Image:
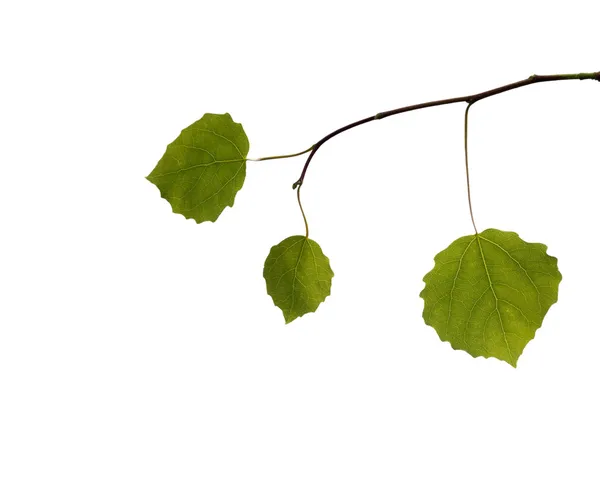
298,276
203,169
488,293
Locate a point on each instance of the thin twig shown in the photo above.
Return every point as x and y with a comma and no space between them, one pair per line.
470,99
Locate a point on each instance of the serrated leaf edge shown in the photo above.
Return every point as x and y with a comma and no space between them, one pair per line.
436,260
239,124
285,316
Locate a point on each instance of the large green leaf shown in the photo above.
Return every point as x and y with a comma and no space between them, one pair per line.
488,293
298,276
203,168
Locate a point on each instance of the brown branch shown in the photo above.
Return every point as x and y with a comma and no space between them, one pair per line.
470,99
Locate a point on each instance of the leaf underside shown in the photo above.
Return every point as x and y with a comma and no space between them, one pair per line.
488,293
298,276
203,169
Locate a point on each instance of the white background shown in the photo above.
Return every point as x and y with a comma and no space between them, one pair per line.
137,345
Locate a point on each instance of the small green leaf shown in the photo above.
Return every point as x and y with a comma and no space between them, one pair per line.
203,168
488,293
298,276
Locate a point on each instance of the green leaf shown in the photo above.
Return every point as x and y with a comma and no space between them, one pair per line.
488,293
203,168
298,276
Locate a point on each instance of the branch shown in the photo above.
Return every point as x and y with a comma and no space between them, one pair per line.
470,99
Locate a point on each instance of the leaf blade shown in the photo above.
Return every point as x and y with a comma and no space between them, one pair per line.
203,168
488,293
298,276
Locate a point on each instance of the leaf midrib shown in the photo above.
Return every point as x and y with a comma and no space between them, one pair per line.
510,355
195,166
305,240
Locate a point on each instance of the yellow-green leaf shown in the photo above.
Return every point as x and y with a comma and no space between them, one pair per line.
488,293
203,169
298,276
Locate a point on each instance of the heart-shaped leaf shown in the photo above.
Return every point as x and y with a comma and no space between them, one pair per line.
203,168
488,293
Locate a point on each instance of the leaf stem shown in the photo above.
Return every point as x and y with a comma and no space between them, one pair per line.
302,210
470,99
467,165
282,156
